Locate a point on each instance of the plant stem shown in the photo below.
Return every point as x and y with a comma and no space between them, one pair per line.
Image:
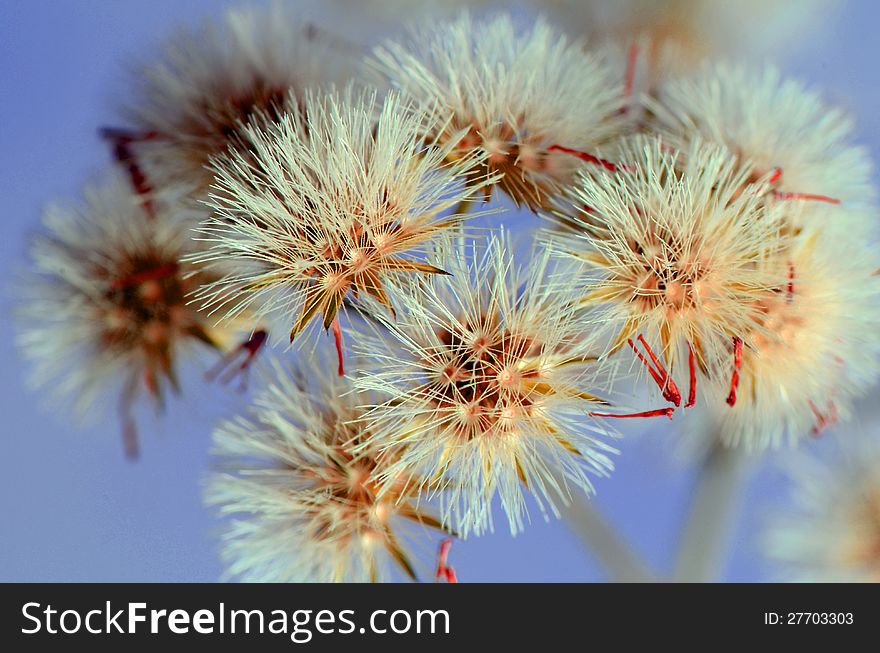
707,531
610,549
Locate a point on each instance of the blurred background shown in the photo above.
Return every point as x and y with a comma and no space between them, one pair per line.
73,509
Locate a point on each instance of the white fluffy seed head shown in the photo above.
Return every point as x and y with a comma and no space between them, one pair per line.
672,249
301,488
689,31
815,352
774,123
213,80
509,94
104,305
830,529
489,381
335,201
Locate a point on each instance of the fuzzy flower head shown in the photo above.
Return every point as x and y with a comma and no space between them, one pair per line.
813,350
531,102
490,385
803,147
302,486
680,34
214,80
330,203
106,305
830,530
672,248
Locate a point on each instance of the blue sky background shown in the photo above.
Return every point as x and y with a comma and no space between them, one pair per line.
71,507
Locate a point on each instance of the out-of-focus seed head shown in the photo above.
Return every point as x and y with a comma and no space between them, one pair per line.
302,487
212,81
787,132
510,95
830,529
813,350
105,305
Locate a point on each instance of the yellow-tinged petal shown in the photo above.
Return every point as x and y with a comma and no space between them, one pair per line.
629,328
399,556
399,264
314,299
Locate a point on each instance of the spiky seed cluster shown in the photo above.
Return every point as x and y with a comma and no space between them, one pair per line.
302,486
106,307
213,80
830,529
514,96
813,349
673,249
331,202
489,380
784,129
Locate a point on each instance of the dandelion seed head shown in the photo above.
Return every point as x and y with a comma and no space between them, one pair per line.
214,80
815,352
489,381
510,95
301,486
672,248
775,124
830,529
105,303
331,202
690,30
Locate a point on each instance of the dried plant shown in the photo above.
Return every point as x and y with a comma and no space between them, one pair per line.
332,202
310,498
509,95
105,308
492,386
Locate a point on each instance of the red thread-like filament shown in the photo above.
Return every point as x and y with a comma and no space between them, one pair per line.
692,383
632,58
737,366
658,412
337,338
589,158
122,140
823,420
444,570
809,197
776,177
248,351
658,372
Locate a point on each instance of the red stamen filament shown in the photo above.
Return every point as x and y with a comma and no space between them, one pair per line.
249,348
337,337
444,570
147,275
776,177
589,158
790,287
658,372
737,366
632,58
692,384
122,152
778,194
659,412
823,420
